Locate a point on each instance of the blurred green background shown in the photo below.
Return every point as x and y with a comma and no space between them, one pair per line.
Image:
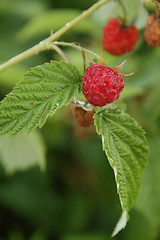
56,183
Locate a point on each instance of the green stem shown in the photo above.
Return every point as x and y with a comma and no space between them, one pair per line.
124,11
74,45
59,51
43,45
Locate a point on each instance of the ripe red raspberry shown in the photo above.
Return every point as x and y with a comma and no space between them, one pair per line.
102,84
118,39
152,31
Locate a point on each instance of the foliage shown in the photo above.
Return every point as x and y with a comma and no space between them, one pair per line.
126,148
74,197
29,148
43,90
54,20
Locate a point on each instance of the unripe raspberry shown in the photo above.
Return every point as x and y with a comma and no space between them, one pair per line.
83,117
152,31
118,39
102,84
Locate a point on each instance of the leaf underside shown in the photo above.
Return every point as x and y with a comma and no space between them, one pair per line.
21,152
42,91
126,147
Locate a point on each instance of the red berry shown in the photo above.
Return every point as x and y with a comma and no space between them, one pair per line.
102,84
152,31
118,39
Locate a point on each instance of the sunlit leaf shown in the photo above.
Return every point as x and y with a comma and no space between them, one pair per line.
142,18
22,152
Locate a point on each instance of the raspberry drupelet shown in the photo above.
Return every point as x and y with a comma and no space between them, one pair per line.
118,39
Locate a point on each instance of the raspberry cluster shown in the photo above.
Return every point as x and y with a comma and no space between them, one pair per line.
118,39
102,85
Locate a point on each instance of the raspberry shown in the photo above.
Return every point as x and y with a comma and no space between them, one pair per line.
152,31
83,117
102,84
118,39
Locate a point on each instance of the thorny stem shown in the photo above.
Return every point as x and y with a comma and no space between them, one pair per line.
43,45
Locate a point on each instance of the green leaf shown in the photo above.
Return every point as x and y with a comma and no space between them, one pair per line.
126,148
86,236
22,152
38,235
22,8
42,91
148,202
151,106
142,18
132,9
114,9
131,91
53,20
11,75
148,71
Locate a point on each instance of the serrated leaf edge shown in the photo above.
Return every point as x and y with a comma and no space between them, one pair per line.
124,216
53,110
